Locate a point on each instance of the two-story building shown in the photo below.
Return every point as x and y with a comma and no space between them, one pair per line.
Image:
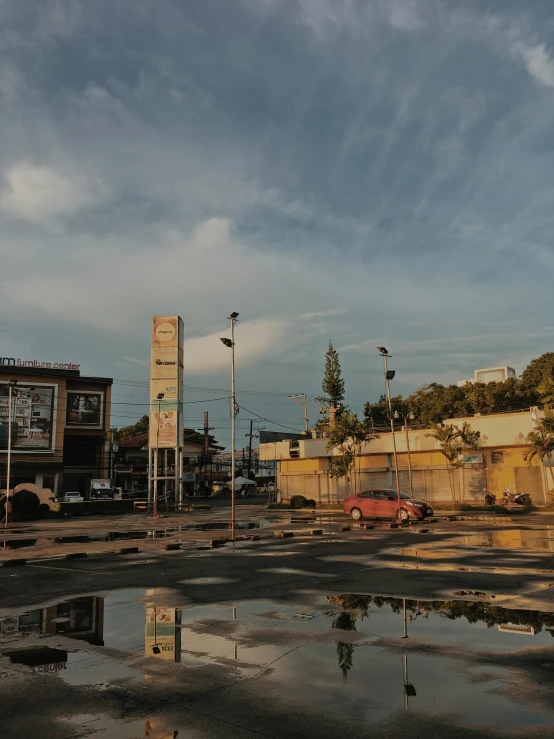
60,423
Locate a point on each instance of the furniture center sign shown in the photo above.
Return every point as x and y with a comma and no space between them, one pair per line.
166,383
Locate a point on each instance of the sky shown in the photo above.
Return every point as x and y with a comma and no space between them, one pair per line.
375,173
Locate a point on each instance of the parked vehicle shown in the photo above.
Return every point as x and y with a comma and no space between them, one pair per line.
490,498
72,498
383,503
520,499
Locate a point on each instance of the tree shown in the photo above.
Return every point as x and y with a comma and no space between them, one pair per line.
333,384
135,429
450,446
546,390
469,439
377,414
537,371
541,440
346,434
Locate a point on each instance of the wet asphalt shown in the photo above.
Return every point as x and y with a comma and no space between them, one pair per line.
280,637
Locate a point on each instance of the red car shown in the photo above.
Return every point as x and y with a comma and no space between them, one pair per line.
383,503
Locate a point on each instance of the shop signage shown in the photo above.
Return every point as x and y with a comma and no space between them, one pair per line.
34,363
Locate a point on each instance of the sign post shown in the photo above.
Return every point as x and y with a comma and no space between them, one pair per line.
166,405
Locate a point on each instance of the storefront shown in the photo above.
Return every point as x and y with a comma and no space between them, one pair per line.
60,421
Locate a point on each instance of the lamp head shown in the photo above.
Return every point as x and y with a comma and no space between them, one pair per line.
160,396
234,315
382,350
396,414
156,649
411,416
227,342
390,374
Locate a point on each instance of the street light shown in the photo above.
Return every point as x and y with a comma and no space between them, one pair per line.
155,513
389,375
11,386
230,344
409,417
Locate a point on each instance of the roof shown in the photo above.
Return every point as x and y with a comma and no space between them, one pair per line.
75,375
135,442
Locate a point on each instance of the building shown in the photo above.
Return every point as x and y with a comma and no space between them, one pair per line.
304,466
60,423
490,374
131,464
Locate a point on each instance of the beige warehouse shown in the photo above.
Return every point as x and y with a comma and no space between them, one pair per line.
303,467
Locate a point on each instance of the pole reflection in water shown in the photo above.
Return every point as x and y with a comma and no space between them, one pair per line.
235,643
409,689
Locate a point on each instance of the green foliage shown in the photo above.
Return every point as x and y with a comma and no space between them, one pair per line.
333,384
434,403
346,434
135,429
538,371
298,501
541,440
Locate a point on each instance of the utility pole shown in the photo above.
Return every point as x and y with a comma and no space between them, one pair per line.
389,375
302,400
230,343
250,435
7,504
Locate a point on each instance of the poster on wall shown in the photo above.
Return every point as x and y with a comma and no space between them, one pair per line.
84,409
33,417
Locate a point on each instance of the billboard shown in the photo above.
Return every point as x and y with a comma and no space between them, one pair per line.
166,377
85,409
33,416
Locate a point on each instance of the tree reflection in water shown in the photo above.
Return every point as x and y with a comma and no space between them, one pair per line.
357,607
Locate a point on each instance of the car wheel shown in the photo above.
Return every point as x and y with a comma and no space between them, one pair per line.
356,514
404,514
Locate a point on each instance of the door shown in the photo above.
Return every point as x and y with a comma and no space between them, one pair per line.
365,501
386,504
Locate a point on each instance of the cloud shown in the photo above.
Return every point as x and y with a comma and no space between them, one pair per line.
40,193
538,61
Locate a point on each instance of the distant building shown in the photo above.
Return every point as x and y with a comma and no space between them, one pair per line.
490,374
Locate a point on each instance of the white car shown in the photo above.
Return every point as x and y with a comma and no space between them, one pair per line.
72,498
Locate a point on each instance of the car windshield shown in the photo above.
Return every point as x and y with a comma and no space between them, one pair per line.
402,495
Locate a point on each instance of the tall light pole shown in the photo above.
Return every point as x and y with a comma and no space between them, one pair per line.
155,513
231,344
389,374
11,386
409,417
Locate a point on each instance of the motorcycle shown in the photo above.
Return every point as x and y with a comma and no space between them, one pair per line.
523,499
490,498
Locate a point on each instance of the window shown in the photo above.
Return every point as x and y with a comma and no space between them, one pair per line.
366,494
497,457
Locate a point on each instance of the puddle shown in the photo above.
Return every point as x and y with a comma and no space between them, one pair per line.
510,539
358,657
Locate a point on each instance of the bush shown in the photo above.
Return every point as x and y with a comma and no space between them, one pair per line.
43,510
298,501
311,503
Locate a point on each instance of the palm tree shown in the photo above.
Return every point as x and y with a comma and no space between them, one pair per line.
448,438
546,390
469,439
541,440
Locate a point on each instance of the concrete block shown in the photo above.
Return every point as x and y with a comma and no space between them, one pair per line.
14,562
345,528
283,534
76,555
255,538
369,526
172,547
129,550
316,532
215,543
393,525
422,531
